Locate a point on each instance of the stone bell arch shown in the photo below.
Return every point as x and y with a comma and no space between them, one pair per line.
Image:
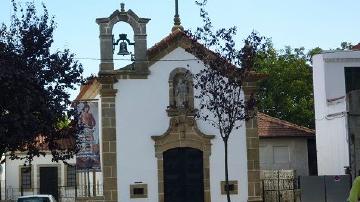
107,78
106,39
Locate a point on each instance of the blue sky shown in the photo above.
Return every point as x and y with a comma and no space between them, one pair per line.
307,23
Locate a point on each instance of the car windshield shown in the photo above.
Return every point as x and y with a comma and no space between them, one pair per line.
34,199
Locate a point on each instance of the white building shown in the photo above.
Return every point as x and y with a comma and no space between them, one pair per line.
153,149
44,176
335,77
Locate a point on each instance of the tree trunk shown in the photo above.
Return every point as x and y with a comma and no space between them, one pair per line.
226,171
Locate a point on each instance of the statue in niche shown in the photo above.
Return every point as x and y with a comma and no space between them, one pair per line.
181,93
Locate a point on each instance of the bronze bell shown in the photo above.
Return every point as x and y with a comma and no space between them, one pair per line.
123,49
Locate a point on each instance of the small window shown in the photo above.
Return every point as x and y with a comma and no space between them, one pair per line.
26,178
70,176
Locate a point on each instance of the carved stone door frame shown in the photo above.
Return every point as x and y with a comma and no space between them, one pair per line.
183,132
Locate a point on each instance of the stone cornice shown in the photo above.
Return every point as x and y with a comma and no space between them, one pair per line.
108,78
118,13
131,74
108,92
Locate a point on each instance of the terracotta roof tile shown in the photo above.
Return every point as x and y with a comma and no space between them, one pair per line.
85,88
273,127
356,47
179,38
165,43
41,144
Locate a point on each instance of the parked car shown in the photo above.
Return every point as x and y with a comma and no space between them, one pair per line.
37,198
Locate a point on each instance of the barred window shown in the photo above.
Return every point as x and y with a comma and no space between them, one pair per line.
26,177
70,176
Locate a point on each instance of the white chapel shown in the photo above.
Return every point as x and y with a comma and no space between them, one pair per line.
152,147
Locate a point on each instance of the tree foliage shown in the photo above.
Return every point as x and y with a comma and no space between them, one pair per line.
345,46
34,84
220,85
287,92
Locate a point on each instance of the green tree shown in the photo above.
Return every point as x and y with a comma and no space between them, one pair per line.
345,46
287,93
34,87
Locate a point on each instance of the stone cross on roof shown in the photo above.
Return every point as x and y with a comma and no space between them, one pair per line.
122,7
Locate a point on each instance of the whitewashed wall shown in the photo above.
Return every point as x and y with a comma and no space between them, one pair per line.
330,116
140,113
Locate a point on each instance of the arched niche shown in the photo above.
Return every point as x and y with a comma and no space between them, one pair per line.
121,61
181,92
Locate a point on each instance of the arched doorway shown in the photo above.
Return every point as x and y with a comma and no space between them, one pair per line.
183,175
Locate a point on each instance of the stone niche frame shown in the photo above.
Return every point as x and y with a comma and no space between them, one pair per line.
174,75
183,132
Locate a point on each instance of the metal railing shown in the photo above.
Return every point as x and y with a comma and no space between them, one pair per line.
279,190
65,193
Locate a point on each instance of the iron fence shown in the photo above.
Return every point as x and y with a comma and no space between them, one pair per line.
279,190
280,186
65,193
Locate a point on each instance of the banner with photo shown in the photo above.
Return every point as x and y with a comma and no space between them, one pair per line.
88,158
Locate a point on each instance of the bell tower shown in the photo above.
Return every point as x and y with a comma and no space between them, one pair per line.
108,76
107,40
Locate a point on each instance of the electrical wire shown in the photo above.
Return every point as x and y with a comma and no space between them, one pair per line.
165,60
118,59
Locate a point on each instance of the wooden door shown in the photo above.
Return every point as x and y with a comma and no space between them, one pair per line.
183,175
49,181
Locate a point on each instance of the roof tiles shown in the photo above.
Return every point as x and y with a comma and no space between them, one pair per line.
269,126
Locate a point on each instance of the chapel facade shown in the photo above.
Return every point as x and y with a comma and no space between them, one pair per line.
152,147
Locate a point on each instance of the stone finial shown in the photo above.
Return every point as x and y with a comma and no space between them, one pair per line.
177,22
122,6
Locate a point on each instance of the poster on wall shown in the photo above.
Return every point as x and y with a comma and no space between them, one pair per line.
88,158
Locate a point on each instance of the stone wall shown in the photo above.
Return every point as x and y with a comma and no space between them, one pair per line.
252,142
